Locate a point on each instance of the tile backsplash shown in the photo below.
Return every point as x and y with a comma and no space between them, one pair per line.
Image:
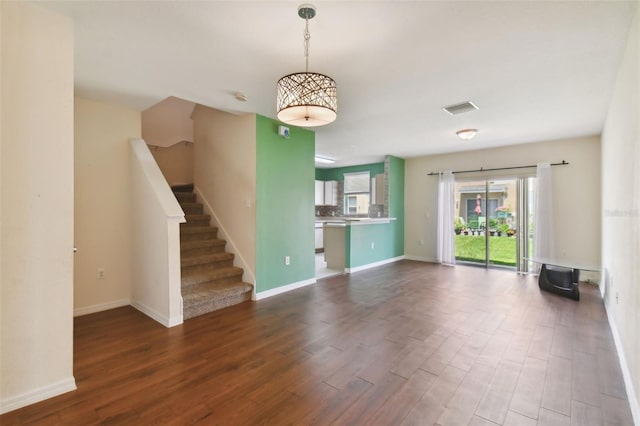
324,211
376,210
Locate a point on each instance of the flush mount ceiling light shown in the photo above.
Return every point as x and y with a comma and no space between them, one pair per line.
325,160
466,134
307,99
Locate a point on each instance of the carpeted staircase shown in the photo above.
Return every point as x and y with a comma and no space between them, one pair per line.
209,279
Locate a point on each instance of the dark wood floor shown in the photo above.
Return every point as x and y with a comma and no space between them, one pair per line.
408,343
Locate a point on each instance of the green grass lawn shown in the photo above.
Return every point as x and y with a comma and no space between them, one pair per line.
471,248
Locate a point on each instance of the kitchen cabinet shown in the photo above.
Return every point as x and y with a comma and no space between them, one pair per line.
326,193
319,193
331,193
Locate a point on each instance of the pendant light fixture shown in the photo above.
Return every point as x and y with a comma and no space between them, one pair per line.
307,99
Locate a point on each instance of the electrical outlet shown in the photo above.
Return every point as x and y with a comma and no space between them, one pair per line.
100,273
373,245
287,260
421,242
617,300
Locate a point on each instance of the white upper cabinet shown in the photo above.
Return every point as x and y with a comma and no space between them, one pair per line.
326,193
319,193
331,193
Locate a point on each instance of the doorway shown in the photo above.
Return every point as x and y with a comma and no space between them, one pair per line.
493,222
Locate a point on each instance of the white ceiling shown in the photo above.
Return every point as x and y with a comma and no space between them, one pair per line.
537,70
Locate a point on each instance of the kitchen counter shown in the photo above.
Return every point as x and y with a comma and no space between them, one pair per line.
346,220
350,241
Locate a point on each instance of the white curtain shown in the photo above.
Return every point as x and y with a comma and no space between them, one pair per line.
446,201
543,236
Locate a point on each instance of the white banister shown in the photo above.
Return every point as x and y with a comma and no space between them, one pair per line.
155,226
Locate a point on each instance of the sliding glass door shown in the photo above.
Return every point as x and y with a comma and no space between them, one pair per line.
490,215
470,220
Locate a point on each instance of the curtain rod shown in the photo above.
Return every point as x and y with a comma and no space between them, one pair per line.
482,169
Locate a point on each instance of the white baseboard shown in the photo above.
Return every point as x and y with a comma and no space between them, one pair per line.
37,395
284,289
626,374
86,310
167,322
373,265
422,259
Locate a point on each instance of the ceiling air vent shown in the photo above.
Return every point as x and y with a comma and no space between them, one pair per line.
460,108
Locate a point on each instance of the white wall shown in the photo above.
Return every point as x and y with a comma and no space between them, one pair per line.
103,204
225,174
36,234
621,215
576,193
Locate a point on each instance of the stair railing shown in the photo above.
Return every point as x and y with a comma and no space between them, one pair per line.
155,226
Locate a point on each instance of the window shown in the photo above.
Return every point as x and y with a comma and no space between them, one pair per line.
352,204
357,187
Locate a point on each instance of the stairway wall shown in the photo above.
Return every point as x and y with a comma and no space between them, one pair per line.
168,122
175,161
167,128
225,176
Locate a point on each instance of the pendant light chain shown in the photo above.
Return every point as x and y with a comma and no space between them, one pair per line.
307,36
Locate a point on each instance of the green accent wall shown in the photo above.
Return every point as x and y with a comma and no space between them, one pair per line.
284,205
337,173
396,202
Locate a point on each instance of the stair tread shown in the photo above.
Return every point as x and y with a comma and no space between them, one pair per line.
205,258
184,194
196,220
190,278
196,216
203,298
194,244
186,187
199,229
209,289
209,282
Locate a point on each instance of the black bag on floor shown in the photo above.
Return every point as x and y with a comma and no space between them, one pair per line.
560,280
